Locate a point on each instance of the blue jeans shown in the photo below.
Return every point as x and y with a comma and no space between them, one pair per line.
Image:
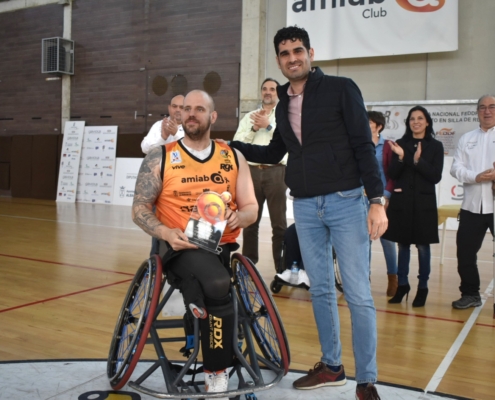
424,260
390,253
339,219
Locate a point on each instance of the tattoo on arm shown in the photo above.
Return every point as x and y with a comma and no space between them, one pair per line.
148,188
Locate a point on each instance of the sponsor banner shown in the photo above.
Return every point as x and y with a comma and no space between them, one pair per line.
126,172
97,166
450,122
69,161
371,28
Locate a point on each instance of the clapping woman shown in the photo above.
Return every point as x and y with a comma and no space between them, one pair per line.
416,167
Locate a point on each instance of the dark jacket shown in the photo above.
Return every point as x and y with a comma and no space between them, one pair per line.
412,212
336,154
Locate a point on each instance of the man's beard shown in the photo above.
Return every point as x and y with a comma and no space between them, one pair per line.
196,134
268,100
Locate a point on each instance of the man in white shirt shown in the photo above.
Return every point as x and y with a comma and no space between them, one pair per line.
169,129
474,167
257,127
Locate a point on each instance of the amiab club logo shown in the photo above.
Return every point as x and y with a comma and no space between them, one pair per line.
421,5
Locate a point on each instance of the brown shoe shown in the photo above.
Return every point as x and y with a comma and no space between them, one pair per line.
392,285
320,376
367,393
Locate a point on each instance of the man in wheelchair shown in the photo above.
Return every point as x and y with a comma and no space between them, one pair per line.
171,178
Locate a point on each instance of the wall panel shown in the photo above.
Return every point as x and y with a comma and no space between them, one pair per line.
28,103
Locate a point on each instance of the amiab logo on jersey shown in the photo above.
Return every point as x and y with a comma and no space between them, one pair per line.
421,5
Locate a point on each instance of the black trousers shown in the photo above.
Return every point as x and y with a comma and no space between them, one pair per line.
470,235
204,279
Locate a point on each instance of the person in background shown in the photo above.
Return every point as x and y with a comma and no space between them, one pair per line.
167,130
416,167
257,127
377,124
474,167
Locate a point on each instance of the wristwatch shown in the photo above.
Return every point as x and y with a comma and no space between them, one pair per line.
378,200
269,128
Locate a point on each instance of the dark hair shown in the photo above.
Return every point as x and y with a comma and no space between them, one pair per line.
378,118
270,80
429,129
291,33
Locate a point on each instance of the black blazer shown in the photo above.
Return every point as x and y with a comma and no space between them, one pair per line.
412,212
336,153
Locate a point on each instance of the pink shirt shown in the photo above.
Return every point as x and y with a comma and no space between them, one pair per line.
295,111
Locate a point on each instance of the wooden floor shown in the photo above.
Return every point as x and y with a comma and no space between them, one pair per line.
65,268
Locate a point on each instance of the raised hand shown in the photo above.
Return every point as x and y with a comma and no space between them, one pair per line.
169,127
397,149
417,154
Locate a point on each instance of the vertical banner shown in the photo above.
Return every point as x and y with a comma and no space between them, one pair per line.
370,28
126,173
97,167
69,161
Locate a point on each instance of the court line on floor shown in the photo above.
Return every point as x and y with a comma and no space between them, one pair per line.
380,310
72,222
458,342
65,264
33,303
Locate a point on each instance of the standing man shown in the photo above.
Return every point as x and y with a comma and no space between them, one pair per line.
474,167
204,277
167,130
257,128
322,123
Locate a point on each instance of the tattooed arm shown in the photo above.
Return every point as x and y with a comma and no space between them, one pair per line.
148,188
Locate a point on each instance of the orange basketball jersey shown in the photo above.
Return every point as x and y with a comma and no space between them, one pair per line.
185,177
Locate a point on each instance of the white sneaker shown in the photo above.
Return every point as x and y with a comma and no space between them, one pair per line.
216,382
303,279
284,276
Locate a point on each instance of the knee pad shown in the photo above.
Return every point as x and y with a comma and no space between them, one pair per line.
217,337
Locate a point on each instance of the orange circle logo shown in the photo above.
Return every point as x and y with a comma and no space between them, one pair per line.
421,5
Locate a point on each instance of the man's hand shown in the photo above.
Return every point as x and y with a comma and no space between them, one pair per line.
377,221
232,219
485,176
260,120
169,127
177,239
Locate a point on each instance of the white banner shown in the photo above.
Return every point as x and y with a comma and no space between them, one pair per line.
69,161
450,122
97,168
371,28
126,173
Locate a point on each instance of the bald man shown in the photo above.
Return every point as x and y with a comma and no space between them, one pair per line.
169,129
167,181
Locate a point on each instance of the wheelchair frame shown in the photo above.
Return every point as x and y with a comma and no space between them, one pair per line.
255,314
276,284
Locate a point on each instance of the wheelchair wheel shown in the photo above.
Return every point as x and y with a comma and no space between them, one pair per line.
338,278
258,304
275,287
134,322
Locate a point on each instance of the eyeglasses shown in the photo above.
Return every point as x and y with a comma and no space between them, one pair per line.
490,108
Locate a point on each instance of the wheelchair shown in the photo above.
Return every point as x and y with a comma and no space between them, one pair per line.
277,284
255,316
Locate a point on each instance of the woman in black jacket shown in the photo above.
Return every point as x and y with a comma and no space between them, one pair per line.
416,167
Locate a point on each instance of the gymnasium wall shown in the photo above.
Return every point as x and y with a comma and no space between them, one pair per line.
131,58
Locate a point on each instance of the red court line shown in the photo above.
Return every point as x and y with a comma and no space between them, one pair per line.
68,265
383,311
62,296
487,325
